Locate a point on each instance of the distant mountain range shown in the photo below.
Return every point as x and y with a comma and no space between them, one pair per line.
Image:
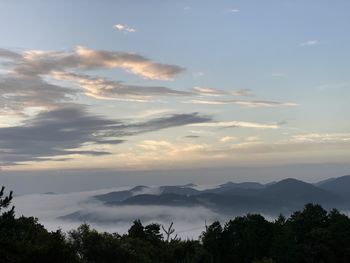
284,196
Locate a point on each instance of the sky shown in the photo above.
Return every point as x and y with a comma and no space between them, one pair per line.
174,85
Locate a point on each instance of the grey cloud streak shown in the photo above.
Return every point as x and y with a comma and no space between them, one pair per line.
33,63
17,94
244,103
108,89
8,54
63,131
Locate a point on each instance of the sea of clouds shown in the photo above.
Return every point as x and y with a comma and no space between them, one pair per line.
189,222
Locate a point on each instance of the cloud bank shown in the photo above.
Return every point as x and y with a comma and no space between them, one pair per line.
63,131
28,79
49,208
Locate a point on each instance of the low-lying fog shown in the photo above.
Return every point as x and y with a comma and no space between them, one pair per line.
48,208
189,222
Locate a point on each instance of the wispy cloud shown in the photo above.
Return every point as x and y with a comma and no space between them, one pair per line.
237,124
124,28
278,75
305,146
245,103
34,63
228,139
338,85
321,137
165,150
206,91
309,43
233,10
102,88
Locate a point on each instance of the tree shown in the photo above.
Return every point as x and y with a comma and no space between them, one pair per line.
5,201
212,241
247,238
168,232
137,230
152,232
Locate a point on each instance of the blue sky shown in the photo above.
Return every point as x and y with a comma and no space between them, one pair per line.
173,84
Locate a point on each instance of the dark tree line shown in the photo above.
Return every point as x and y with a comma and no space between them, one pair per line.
311,235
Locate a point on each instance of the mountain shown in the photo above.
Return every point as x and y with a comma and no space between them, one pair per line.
118,196
121,195
182,190
285,195
231,198
293,192
339,185
230,186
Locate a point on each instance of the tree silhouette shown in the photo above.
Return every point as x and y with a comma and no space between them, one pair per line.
168,232
5,201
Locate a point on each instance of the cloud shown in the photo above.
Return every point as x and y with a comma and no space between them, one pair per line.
18,94
278,75
27,82
287,147
237,124
263,103
124,28
205,91
192,136
166,151
339,85
209,102
188,221
64,131
233,10
208,91
242,93
245,103
107,89
228,139
232,150
309,43
300,143
8,54
34,63
321,137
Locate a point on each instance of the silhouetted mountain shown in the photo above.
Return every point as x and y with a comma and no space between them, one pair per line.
181,190
293,193
140,190
244,185
114,196
283,196
340,185
121,195
229,186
